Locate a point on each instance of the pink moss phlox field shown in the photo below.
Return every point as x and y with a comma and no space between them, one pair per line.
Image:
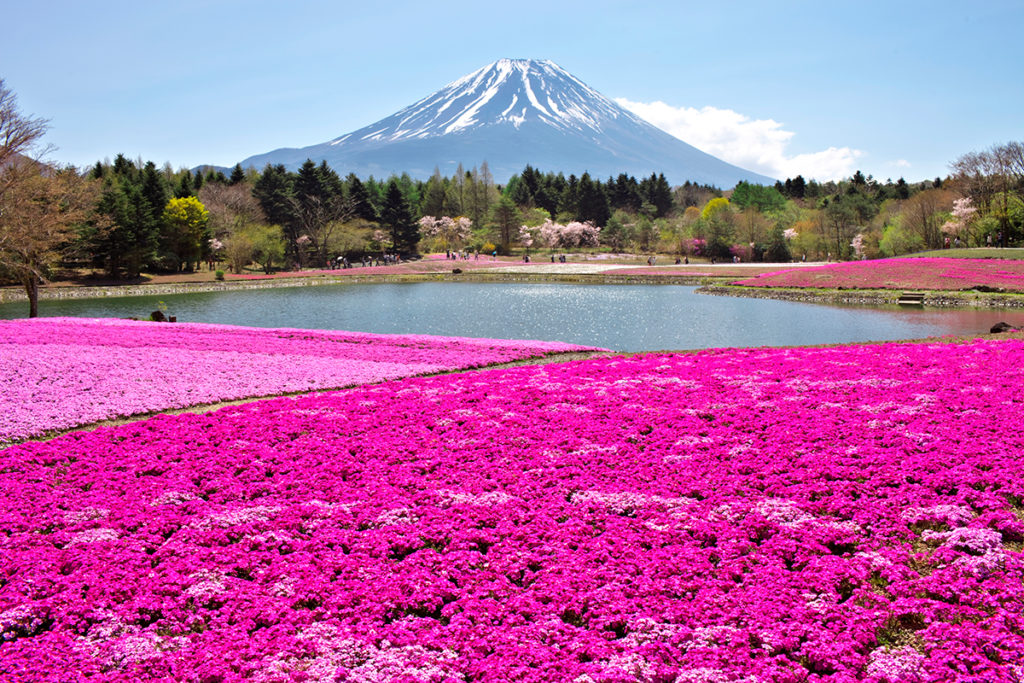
58,373
951,274
770,515
433,263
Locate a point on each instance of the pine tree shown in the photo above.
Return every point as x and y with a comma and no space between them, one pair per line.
569,202
593,203
273,191
237,175
185,186
397,217
360,199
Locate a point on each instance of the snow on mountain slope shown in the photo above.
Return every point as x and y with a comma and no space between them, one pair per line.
512,113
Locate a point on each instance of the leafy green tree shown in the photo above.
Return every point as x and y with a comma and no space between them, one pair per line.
269,245
618,232
434,196
185,235
761,197
718,225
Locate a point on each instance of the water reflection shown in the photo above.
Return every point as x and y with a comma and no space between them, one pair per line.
620,317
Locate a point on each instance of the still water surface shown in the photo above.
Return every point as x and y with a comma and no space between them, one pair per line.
619,317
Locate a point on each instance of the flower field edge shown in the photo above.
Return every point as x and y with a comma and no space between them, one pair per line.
63,373
931,273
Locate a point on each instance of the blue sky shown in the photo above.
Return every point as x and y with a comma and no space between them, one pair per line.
819,88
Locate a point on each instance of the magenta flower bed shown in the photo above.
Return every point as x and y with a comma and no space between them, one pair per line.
843,514
59,373
901,273
432,263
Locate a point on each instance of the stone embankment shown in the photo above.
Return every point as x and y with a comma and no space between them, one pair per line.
870,297
14,294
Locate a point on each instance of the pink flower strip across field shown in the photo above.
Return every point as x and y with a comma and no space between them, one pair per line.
59,373
951,274
841,514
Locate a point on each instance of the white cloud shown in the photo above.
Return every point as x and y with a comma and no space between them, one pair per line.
754,144
901,163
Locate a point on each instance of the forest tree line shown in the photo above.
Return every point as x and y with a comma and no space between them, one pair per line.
306,218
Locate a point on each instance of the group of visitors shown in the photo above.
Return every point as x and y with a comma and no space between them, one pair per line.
462,255
365,261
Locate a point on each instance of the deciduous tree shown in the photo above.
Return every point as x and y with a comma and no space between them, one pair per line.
40,208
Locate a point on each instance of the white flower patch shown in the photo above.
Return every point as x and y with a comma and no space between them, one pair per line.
172,498
953,515
206,584
93,536
247,515
781,511
85,514
396,516
488,499
895,665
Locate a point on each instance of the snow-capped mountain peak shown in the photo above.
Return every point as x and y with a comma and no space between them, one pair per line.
507,92
512,113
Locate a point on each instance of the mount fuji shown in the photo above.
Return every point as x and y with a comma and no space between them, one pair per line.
512,113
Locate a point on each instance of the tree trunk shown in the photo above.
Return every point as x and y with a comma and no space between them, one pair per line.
32,289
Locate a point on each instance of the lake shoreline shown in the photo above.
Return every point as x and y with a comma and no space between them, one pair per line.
868,297
711,285
16,294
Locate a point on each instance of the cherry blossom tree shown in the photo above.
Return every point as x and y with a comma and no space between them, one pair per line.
452,231
554,235
963,215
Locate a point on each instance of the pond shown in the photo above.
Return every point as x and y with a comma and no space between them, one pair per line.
619,317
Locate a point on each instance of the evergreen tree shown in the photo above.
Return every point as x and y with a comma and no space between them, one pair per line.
518,192
237,175
131,241
593,202
123,167
569,202
185,186
273,191
531,178
154,190
360,199
397,217
626,194
658,193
